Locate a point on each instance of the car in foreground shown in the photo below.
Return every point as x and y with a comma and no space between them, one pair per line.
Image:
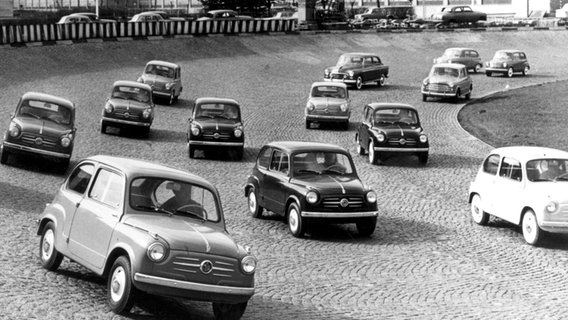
129,106
215,124
42,125
391,128
524,185
470,58
328,102
447,80
150,228
148,16
357,69
459,14
508,62
308,182
223,14
164,78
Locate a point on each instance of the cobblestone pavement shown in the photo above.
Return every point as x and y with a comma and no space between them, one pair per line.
426,259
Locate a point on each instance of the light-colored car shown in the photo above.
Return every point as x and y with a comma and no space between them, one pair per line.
508,62
357,69
466,56
150,228
164,78
447,80
524,185
284,15
167,16
147,17
94,18
223,15
328,102
74,18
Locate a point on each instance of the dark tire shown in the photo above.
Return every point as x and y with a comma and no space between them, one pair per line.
381,81
49,256
358,146
477,68
468,95
531,231
346,125
191,151
229,311
239,154
423,157
424,98
458,94
373,156
308,124
255,209
359,83
477,214
120,291
366,226
488,73
510,72
526,71
171,99
103,127
296,224
4,157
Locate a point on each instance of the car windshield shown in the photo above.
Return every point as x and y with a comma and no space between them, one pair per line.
396,116
329,92
217,110
444,71
174,198
547,170
501,55
319,162
452,53
345,60
131,93
159,70
45,111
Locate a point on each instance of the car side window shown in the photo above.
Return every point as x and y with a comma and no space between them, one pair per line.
491,164
80,177
279,162
107,188
474,54
368,61
264,158
522,55
511,169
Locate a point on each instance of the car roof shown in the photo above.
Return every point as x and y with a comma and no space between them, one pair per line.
509,50
48,98
359,54
526,153
460,48
305,146
387,105
449,65
220,10
163,63
216,100
329,84
129,83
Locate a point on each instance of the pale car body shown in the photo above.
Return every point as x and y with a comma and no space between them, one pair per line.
447,80
466,56
328,102
164,78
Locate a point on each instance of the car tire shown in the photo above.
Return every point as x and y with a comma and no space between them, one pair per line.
477,68
229,311
423,157
526,71
381,81
296,224
191,151
49,256
239,154
358,146
120,291
171,99
510,72
103,127
488,73
255,209
63,166
4,156
477,214
424,98
531,231
458,94
366,226
372,153
359,83
308,124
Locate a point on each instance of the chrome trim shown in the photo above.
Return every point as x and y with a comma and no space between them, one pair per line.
34,150
314,116
131,123
350,81
310,214
186,285
490,69
400,149
162,93
209,143
439,94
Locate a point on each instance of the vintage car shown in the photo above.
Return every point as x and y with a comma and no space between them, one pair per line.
149,16
470,58
508,62
284,15
42,125
459,14
389,12
150,228
223,15
129,106
310,182
328,102
447,80
391,128
74,18
524,185
215,124
164,78
167,16
357,69
94,17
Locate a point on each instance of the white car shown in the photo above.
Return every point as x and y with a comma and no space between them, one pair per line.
147,17
527,186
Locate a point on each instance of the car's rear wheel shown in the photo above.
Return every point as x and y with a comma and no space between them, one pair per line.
510,72
120,291
488,73
366,226
477,214
229,311
359,83
254,208
381,81
358,146
531,230
477,68
296,224
526,71
49,256
4,157
372,153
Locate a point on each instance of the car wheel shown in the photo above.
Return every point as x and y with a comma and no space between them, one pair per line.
424,98
359,83
49,256
372,153
510,72
4,157
423,157
63,166
477,214
191,151
254,208
366,226
103,127
468,95
296,224
381,81
358,146
171,99
526,71
308,124
488,73
531,230
120,292
458,94
229,311
477,68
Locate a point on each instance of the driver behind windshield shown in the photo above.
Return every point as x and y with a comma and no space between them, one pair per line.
181,198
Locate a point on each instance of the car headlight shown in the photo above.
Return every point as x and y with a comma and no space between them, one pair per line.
238,133
66,140
312,197
351,73
147,113
504,64
381,137
425,82
195,130
423,138
310,106
344,107
451,85
157,252
140,79
371,196
109,108
326,73
551,207
169,85
14,130
248,264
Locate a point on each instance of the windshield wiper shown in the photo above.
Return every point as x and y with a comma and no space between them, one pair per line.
156,209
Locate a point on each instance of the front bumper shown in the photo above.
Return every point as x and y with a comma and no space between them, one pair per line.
554,226
165,93
215,143
362,214
13,147
439,94
346,81
126,122
326,118
391,149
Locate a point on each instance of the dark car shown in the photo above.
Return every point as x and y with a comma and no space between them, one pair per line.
508,62
164,78
356,69
310,182
216,123
129,106
391,12
459,14
42,125
391,128
470,58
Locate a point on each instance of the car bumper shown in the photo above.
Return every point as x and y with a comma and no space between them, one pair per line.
390,149
554,226
363,214
346,81
216,143
439,94
13,147
165,93
326,118
502,70
126,122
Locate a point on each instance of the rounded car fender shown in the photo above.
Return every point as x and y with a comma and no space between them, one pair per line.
252,182
52,212
132,242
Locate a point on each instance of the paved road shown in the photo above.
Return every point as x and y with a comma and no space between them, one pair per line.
426,260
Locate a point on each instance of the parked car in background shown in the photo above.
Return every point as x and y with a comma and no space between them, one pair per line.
470,58
309,182
508,62
168,16
94,18
328,102
284,15
223,15
150,228
164,78
357,69
74,18
216,123
524,185
129,106
447,80
149,16
389,12
391,128
42,125
459,14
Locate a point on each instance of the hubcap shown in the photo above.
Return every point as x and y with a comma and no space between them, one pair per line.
476,209
293,220
117,284
371,152
252,202
47,246
510,73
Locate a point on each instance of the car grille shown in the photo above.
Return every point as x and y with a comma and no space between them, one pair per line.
402,142
46,142
439,87
216,135
338,76
186,266
127,115
335,202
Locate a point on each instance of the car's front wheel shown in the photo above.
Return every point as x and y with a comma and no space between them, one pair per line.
477,68
372,153
120,291
359,83
458,94
510,72
4,157
366,226
423,157
477,214
229,311
103,127
171,98
381,81
191,151
531,230
526,71
49,256
488,73
239,153
424,98
308,124
358,146
254,208
296,223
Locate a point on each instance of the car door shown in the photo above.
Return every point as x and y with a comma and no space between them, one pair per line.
485,182
370,71
96,217
381,68
259,172
276,180
365,127
510,185
73,192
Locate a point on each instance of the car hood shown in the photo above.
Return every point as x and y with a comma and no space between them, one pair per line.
186,234
553,190
344,68
124,103
442,79
43,127
331,183
152,78
400,130
218,124
326,102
